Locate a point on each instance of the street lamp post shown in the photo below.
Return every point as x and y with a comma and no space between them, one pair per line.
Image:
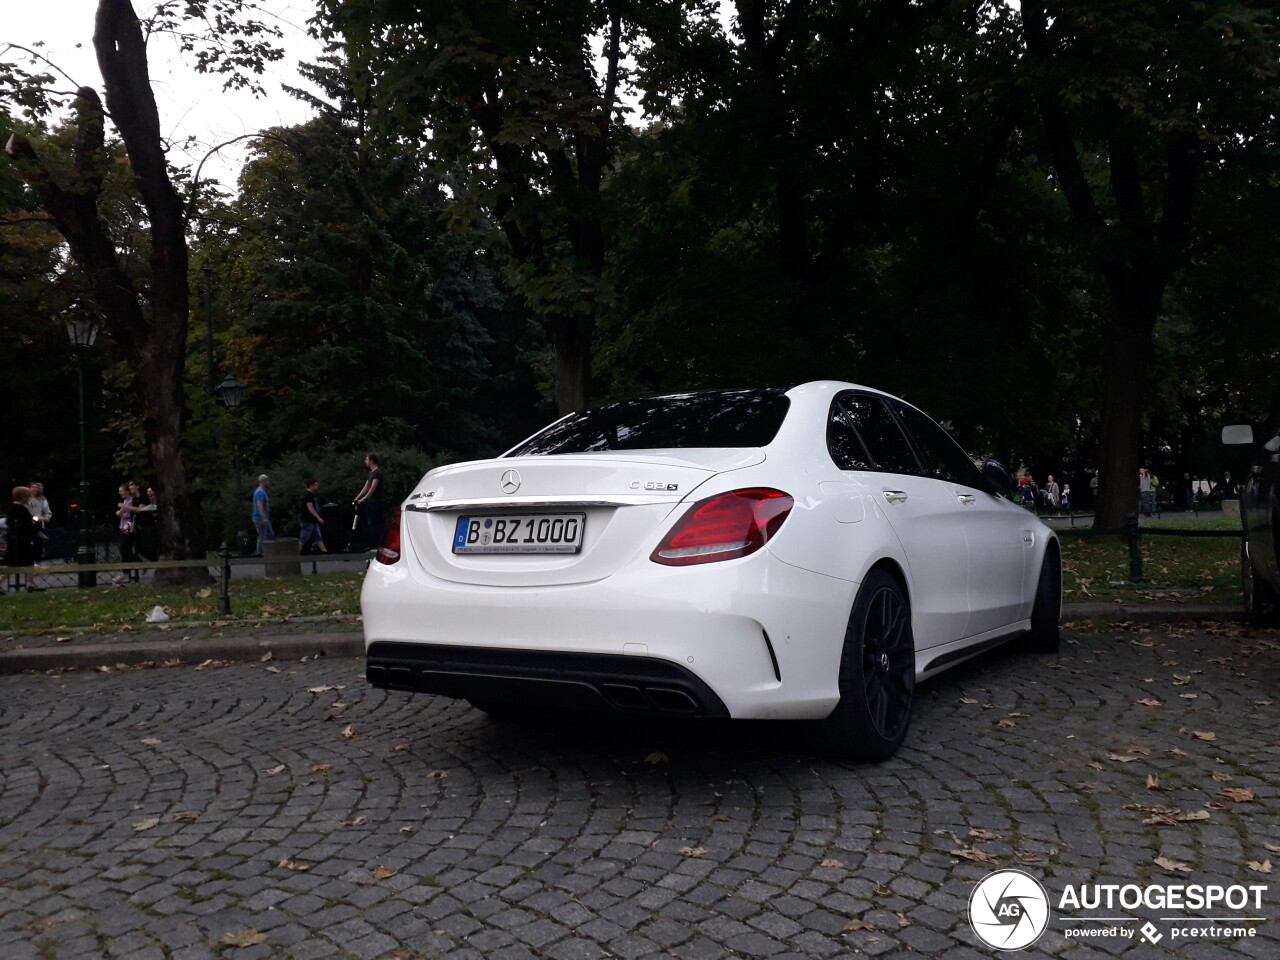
208,318
82,330
231,391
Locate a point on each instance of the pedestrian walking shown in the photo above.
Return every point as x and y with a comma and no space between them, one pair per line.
1052,495
38,507
310,535
261,513
1066,497
127,526
145,523
21,536
372,502
1029,492
1146,495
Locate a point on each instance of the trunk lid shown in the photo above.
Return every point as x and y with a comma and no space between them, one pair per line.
614,504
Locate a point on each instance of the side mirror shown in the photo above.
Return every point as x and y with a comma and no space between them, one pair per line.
1237,435
997,478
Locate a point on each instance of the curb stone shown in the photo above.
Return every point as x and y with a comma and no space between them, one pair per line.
45,652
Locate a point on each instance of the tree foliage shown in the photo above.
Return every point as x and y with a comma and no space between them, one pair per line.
1049,224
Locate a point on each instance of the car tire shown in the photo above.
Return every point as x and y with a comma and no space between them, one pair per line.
877,676
1261,602
1047,612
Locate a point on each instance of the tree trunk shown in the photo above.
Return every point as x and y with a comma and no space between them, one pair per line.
1130,348
571,343
152,339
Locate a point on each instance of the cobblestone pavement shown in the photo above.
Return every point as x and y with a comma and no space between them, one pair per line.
179,813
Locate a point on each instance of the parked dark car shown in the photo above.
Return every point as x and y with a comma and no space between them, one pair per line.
1260,515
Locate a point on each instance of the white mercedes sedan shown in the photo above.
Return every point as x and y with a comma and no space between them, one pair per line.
803,554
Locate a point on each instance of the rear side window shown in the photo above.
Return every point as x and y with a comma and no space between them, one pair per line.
863,435
943,457
719,418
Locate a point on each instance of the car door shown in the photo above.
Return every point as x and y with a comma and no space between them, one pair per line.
863,436
1000,537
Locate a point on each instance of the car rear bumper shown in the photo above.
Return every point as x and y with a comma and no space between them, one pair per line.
754,638
575,681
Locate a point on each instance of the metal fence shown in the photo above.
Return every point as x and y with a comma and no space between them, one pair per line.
1133,532
65,574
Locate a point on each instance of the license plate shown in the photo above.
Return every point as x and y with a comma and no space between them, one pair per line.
520,533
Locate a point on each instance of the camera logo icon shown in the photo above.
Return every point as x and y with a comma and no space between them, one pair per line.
1009,910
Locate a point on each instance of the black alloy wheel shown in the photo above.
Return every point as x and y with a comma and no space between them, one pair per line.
888,662
877,675
1261,602
1047,610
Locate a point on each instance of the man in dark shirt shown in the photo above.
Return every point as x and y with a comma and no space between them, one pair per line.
372,501
309,510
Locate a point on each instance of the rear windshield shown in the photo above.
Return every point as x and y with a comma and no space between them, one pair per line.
721,418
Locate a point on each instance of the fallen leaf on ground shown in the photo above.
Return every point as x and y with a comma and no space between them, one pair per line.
295,865
984,835
1260,867
976,855
186,816
1167,864
1238,794
656,757
692,851
152,742
348,732
1204,735
857,925
244,938
383,873
146,824
832,863
1150,702
266,657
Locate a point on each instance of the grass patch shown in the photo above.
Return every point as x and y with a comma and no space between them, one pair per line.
111,609
1097,568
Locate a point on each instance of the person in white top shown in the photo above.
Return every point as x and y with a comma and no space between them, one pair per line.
39,507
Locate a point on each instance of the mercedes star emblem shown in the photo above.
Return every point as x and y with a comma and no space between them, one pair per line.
510,481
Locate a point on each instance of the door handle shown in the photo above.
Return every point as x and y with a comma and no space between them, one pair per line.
966,498
895,496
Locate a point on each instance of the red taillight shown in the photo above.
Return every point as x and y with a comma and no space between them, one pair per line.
389,550
721,528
